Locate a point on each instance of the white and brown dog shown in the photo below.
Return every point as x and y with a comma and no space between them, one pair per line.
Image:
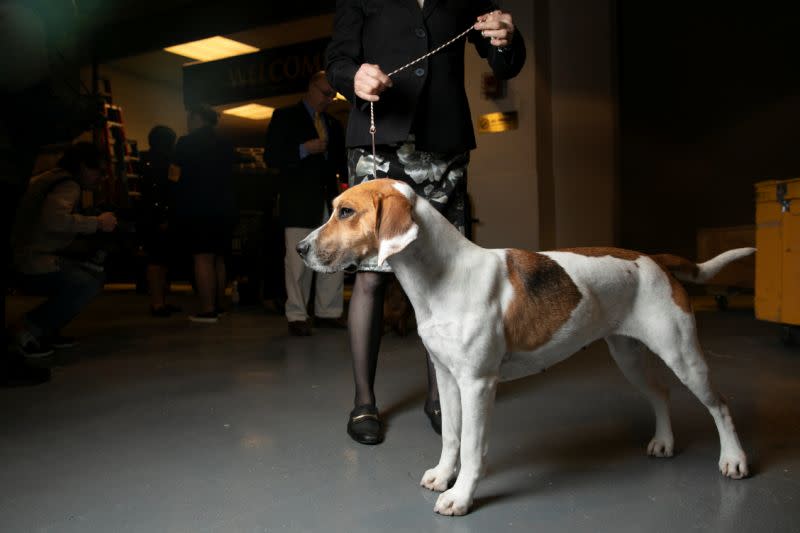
492,315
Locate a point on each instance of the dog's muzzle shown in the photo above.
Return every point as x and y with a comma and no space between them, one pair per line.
326,263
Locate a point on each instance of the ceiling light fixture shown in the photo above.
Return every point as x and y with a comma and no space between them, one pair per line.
211,49
251,111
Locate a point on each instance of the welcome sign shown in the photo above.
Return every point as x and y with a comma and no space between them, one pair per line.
272,72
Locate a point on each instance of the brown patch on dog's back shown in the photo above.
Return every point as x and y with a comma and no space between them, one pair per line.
668,263
544,298
604,251
674,263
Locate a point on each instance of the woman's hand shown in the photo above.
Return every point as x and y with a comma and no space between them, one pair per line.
370,81
497,27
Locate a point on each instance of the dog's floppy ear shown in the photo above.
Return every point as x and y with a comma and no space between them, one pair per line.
395,227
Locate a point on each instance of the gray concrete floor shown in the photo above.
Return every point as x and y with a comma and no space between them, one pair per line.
162,425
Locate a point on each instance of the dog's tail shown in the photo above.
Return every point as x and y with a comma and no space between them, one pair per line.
686,270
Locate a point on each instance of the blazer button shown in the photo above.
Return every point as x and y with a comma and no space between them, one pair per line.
420,72
420,33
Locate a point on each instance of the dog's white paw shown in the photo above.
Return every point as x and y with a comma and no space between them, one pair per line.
734,465
452,503
435,479
660,447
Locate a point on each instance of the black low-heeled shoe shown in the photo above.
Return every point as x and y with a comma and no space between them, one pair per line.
434,412
364,425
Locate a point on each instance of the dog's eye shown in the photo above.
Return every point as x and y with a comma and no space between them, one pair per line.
345,212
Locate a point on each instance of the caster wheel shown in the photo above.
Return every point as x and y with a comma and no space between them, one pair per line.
788,336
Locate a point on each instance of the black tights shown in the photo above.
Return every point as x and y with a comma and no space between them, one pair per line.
365,322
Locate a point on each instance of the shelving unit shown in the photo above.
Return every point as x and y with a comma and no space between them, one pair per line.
123,154
114,141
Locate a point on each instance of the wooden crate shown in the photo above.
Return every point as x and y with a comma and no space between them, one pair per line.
778,237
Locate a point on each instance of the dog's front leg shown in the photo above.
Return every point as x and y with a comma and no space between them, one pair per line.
440,476
477,399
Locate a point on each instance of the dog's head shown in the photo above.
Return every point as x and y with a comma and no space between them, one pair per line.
374,218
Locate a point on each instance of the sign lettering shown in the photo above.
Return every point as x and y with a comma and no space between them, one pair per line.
272,72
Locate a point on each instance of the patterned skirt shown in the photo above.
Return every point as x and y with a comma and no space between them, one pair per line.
439,178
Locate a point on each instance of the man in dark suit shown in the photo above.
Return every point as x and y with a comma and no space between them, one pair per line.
307,146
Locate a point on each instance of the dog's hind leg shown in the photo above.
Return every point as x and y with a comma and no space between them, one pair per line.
439,477
631,357
675,341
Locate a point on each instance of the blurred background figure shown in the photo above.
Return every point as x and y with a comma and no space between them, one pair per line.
205,206
39,107
47,223
157,224
306,145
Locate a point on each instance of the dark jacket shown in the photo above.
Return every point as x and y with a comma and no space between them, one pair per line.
308,184
427,99
158,193
205,188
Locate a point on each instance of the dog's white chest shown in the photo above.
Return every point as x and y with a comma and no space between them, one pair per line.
467,344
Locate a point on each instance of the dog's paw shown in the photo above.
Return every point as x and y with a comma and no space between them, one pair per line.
452,503
734,465
660,447
435,479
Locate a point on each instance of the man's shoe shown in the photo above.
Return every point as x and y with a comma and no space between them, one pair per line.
364,425
300,328
30,346
205,318
61,341
173,308
333,323
434,412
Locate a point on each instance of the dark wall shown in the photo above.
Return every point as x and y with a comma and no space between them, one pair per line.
709,104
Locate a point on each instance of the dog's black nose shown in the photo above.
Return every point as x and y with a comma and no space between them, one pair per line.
302,248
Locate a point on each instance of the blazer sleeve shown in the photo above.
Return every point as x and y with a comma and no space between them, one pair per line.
280,148
506,63
344,54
